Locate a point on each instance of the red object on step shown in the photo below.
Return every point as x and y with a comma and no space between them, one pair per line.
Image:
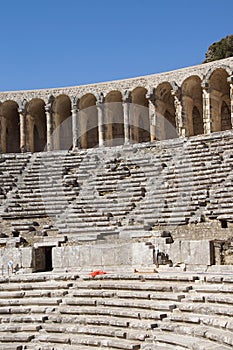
97,272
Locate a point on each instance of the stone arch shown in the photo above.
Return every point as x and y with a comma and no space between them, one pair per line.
62,122
88,122
222,67
219,92
166,114
114,119
36,125
10,129
192,105
139,116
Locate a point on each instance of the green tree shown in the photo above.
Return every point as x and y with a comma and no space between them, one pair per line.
220,49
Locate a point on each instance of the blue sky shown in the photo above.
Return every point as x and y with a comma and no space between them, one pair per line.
55,43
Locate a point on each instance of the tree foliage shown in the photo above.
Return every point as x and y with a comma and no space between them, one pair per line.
220,49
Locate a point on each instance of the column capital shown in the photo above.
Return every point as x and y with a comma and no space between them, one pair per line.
150,95
176,90
100,99
230,79
74,103
49,104
126,96
22,107
205,85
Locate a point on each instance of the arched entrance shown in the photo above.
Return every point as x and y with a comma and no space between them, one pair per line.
88,122
139,116
166,114
36,125
10,134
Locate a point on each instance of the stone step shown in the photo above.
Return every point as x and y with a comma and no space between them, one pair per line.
222,337
30,301
108,343
34,318
188,342
113,311
219,322
213,288
41,285
124,303
7,346
211,309
161,286
146,295
16,337
16,328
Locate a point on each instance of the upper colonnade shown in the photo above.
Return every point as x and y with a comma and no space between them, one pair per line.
194,100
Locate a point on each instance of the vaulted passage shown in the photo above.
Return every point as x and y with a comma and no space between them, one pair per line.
36,123
9,127
114,119
193,106
88,122
139,116
62,123
220,100
166,111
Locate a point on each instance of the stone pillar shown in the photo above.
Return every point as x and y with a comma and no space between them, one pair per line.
49,122
207,124
126,111
101,126
74,112
180,120
22,125
230,80
3,135
152,114
82,129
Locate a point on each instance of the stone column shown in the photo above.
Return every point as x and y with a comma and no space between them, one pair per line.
101,126
126,110
49,122
230,80
3,135
180,120
207,124
152,114
74,112
22,125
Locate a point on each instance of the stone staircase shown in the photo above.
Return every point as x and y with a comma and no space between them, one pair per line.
166,310
42,190
109,191
11,168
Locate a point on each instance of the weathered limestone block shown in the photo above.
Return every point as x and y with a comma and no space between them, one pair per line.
97,256
141,255
191,252
13,259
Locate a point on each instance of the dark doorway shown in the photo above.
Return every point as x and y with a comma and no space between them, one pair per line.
48,259
43,259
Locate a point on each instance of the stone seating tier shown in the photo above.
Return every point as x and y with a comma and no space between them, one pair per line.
163,310
166,183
